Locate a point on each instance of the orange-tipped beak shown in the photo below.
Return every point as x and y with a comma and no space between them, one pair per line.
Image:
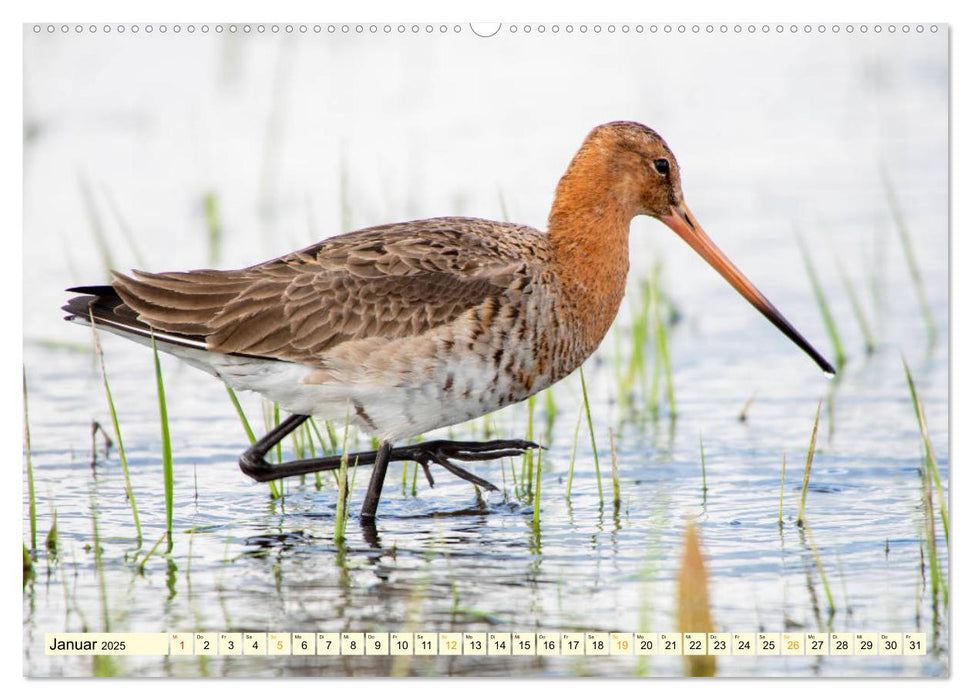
681,221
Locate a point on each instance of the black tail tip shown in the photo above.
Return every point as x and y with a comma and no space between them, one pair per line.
95,289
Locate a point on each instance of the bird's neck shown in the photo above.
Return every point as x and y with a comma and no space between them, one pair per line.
588,229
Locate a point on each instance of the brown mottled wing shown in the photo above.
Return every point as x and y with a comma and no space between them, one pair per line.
391,281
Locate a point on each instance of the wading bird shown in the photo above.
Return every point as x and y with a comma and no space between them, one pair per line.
414,326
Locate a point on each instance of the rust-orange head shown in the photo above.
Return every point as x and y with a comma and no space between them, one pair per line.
625,169
625,163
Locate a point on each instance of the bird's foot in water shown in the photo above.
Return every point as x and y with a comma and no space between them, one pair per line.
442,452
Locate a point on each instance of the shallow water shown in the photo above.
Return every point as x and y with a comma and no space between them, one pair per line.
774,133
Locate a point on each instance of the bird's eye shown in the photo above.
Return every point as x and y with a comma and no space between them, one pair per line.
662,166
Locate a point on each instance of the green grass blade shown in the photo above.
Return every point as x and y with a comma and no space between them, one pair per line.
661,341
912,266
821,302
148,555
930,536
527,461
573,454
614,473
117,426
593,437
28,566
99,566
50,543
809,465
97,226
929,458
539,480
242,416
167,474
549,407
340,519
819,568
32,505
857,307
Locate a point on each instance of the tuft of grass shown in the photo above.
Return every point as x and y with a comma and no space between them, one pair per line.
276,422
819,567
931,482
271,419
743,414
129,492
210,203
414,479
527,462
823,305
912,266
28,566
938,585
167,474
614,473
694,607
809,465
539,481
930,461
857,307
97,226
573,454
276,486
340,519
661,335
662,356
123,226
95,429
704,476
148,555
549,407
640,322
32,501
50,543
593,437
331,436
99,566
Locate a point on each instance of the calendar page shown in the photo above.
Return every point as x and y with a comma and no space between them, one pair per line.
544,349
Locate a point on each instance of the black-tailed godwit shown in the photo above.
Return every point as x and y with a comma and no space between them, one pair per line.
410,327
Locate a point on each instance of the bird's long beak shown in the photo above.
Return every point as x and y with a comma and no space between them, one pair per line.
683,223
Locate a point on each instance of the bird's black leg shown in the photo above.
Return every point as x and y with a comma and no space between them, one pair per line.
253,462
440,452
370,506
